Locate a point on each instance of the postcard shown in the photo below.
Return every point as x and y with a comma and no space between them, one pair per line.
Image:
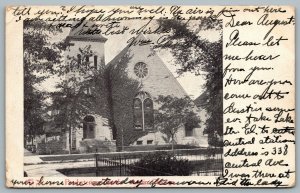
150,96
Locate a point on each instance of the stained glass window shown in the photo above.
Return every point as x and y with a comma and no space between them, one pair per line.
143,111
141,70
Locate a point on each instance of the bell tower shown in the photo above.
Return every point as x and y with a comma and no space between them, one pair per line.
85,51
86,37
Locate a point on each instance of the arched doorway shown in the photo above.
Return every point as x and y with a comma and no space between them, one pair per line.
89,127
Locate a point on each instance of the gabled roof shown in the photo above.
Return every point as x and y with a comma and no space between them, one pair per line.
127,50
201,101
86,31
118,57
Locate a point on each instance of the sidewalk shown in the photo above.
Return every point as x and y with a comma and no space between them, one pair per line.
50,169
34,166
27,153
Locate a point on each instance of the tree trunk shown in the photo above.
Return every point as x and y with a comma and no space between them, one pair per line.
70,139
173,140
24,140
32,136
173,144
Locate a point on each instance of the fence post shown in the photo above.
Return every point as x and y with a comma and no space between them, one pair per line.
120,165
96,159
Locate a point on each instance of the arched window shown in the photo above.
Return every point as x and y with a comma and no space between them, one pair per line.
95,62
138,119
143,111
148,113
89,127
87,62
78,60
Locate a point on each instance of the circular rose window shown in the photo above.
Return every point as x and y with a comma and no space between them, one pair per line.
141,70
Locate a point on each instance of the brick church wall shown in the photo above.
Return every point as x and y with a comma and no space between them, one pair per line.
122,91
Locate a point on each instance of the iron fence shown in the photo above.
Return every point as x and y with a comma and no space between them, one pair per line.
205,162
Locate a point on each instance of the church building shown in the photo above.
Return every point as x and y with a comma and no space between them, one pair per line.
134,79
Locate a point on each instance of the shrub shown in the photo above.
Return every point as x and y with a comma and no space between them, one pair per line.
161,164
94,145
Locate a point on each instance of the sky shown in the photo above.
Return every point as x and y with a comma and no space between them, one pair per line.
192,84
